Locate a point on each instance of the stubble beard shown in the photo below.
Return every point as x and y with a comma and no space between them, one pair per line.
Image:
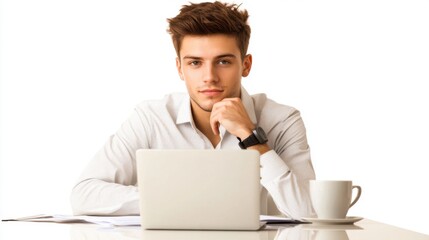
205,109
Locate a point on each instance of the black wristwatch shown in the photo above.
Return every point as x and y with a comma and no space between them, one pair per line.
258,137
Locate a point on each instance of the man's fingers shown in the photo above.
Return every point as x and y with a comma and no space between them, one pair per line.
231,114
214,123
215,128
219,112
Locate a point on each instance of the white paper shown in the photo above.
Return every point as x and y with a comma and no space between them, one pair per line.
101,220
118,220
104,220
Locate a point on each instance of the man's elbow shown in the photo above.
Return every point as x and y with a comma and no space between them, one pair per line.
79,200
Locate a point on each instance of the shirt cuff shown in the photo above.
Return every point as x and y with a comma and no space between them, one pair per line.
272,167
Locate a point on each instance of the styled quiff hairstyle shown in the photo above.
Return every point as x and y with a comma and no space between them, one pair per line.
210,18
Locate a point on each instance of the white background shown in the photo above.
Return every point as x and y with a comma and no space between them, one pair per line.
72,72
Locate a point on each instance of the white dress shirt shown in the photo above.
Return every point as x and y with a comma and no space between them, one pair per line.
108,184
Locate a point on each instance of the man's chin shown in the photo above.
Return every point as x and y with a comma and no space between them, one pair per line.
207,106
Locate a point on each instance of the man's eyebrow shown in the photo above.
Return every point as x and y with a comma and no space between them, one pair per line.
217,57
226,55
191,57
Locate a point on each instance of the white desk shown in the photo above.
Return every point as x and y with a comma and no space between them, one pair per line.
363,230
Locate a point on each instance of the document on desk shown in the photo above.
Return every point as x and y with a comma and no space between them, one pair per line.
112,221
101,220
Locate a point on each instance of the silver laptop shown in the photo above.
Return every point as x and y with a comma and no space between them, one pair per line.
199,189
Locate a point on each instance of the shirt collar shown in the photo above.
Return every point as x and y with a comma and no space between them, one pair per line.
184,114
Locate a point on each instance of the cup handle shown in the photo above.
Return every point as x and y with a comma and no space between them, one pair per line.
359,191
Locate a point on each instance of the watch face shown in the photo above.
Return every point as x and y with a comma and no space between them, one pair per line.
260,135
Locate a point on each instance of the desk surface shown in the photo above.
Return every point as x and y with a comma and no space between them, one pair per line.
363,230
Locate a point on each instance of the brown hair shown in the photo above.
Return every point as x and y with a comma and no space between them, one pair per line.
210,18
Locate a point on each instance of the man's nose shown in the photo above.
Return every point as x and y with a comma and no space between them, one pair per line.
210,74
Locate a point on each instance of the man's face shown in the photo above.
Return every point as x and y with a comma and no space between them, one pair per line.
211,67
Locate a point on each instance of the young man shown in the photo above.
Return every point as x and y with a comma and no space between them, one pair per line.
211,41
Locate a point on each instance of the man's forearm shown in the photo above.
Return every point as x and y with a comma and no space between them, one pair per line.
289,191
96,197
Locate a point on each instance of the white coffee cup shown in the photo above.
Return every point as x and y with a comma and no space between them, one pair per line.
331,199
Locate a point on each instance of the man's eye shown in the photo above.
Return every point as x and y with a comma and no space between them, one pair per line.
194,63
224,62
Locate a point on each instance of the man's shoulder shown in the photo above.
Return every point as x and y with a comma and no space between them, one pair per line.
272,114
264,104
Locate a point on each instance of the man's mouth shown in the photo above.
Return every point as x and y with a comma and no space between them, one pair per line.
211,92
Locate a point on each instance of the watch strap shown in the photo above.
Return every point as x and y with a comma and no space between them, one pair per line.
248,142
257,137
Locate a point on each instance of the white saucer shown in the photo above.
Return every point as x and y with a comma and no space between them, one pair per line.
347,220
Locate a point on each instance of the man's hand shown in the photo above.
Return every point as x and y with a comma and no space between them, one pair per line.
231,114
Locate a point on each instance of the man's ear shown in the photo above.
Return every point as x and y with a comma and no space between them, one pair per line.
179,68
247,65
